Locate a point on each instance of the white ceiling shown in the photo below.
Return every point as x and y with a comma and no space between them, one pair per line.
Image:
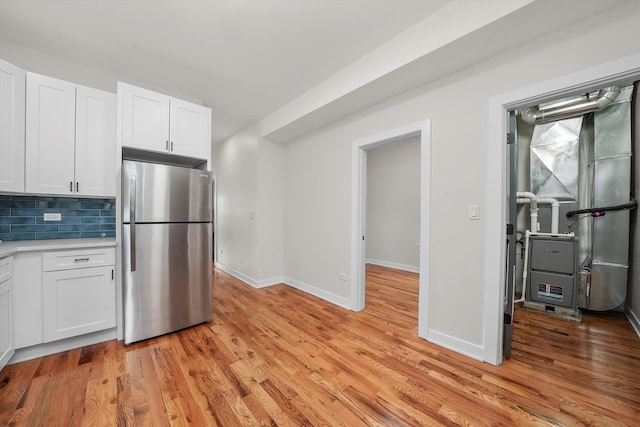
255,59
242,58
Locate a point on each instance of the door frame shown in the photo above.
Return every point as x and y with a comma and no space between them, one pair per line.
611,73
359,207
214,214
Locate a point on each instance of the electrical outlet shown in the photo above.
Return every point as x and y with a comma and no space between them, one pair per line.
52,217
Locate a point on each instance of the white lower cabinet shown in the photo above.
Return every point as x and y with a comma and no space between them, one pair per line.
63,293
28,299
7,344
78,292
78,301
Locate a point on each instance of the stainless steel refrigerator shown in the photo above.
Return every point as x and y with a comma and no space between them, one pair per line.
166,243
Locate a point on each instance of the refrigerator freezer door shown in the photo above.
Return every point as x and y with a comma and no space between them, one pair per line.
165,193
171,286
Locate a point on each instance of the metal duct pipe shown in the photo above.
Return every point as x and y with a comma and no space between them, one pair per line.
604,98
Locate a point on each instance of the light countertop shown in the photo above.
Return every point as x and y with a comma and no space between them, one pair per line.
10,248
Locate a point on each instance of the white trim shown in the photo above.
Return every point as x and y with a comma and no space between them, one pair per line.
459,346
248,280
214,215
41,350
394,265
623,70
358,211
633,319
264,283
320,293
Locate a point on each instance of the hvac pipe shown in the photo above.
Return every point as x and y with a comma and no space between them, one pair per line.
527,233
555,210
532,199
604,98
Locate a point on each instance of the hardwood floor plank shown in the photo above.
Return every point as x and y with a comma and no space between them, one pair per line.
278,356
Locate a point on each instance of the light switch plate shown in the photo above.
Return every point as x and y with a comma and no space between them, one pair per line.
474,212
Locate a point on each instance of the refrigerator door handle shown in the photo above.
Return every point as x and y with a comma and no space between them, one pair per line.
132,219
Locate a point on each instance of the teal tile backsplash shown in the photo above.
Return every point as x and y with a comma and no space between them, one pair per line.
22,218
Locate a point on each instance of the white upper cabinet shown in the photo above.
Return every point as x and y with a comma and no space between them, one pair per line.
12,96
156,122
145,118
190,129
70,139
95,166
50,135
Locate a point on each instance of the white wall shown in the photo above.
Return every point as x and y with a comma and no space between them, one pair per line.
235,164
53,66
317,201
43,63
250,193
270,213
393,204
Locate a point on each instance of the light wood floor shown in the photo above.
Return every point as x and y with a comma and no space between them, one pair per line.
277,356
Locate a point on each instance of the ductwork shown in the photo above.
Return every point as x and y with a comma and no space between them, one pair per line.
602,99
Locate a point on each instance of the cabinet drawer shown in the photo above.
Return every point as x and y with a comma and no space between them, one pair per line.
6,269
81,258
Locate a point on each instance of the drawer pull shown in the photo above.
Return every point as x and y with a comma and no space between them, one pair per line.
81,260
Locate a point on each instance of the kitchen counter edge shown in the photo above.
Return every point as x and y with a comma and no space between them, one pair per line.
11,248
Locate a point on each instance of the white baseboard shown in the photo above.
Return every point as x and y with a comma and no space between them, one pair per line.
270,282
46,349
248,280
397,266
465,348
633,319
322,294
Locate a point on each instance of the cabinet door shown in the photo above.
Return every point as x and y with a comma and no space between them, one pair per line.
12,93
50,135
190,129
27,299
95,161
7,343
7,346
78,302
145,118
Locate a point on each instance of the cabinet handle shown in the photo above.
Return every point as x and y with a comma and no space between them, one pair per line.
167,145
81,260
71,186
77,186
112,274
172,146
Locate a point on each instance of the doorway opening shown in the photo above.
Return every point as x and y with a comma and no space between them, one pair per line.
618,72
421,130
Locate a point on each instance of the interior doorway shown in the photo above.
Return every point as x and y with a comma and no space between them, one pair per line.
358,219
614,73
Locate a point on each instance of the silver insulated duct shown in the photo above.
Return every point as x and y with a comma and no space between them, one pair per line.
585,159
611,187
